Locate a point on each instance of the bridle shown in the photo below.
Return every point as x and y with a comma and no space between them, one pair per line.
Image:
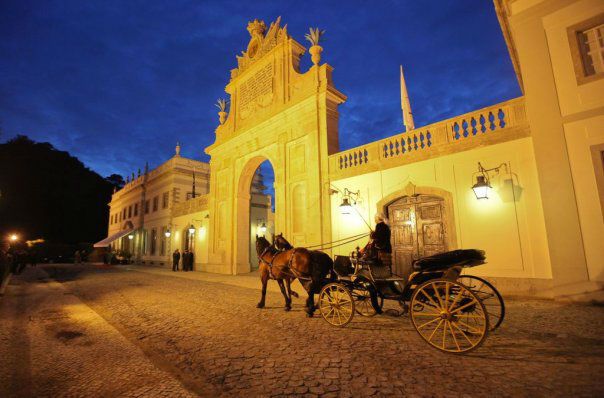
287,268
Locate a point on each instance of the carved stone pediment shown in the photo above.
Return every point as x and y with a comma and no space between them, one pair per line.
260,43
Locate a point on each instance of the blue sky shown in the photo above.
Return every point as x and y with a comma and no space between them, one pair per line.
117,83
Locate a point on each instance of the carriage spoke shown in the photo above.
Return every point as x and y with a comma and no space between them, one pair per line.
446,296
425,314
437,294
456,299
330,311
454,337
464,334
464,306
435,329
429,298
427,323
471,328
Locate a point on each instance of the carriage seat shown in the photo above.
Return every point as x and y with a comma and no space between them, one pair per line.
461,257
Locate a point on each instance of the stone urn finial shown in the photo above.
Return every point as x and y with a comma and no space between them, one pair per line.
314,37
177,149
221,104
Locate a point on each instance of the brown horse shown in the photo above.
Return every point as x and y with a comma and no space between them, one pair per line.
289,265
317,256
267,273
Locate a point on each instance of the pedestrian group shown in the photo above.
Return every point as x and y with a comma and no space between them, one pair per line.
187,260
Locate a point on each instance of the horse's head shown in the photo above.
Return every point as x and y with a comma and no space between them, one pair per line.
261,244
281,243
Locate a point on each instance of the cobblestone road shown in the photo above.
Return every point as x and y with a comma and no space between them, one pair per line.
210,338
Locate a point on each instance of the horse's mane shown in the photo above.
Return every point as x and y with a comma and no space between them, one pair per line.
266,244
286,245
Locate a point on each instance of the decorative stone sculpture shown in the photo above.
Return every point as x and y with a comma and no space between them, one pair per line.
314,37
221,104
177,149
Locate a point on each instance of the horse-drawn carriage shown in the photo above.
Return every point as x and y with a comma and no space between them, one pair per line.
450,311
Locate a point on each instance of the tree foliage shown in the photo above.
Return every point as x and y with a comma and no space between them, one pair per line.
49,194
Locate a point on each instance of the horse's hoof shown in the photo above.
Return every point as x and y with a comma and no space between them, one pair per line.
288,308
260,305
309,315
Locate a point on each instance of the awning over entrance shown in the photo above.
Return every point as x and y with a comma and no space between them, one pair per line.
105,242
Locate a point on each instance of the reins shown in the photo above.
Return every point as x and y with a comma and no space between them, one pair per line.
345,241
286,269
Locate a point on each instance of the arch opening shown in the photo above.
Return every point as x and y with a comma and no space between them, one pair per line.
255,210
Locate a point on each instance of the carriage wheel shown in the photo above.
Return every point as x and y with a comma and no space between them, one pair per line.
449,316
362,300
336,304
489,296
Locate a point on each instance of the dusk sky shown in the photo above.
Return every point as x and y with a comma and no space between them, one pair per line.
117,83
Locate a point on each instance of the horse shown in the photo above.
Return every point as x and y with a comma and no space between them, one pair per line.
290,264
317,256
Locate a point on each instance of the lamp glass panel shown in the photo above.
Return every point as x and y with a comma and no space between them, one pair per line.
481,191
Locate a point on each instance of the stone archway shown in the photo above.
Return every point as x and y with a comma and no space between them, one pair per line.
288,117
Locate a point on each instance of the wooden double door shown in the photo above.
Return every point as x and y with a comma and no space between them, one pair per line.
418,228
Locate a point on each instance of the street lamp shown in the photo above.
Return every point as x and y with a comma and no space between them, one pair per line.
482,186
192,229
345,207
13,237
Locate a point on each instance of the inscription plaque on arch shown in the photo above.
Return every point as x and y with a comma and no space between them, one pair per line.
256,91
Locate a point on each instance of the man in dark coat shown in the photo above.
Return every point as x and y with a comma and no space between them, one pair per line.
185,260
191,260
175,260
381,236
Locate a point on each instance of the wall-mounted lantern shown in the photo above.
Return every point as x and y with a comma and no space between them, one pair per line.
167,234
482,183
262,228
349,200
345,206
130,236
481,188
192,229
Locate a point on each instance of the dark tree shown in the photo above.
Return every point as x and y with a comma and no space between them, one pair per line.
46,193
116,180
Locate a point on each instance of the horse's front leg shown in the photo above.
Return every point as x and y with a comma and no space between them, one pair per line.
290,292
288,300
264,280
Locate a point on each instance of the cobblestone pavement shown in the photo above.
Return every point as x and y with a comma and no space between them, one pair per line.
209,336
53,345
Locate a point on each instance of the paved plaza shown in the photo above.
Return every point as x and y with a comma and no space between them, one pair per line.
88,330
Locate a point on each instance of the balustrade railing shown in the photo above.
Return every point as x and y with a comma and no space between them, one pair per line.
448,136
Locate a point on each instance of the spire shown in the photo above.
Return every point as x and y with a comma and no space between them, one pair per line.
193,187
406,105
177,149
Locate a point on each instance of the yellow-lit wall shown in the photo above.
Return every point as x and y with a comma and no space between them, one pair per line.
509,226
582,110
566,117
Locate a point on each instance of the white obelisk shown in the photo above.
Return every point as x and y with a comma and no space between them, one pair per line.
406,105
